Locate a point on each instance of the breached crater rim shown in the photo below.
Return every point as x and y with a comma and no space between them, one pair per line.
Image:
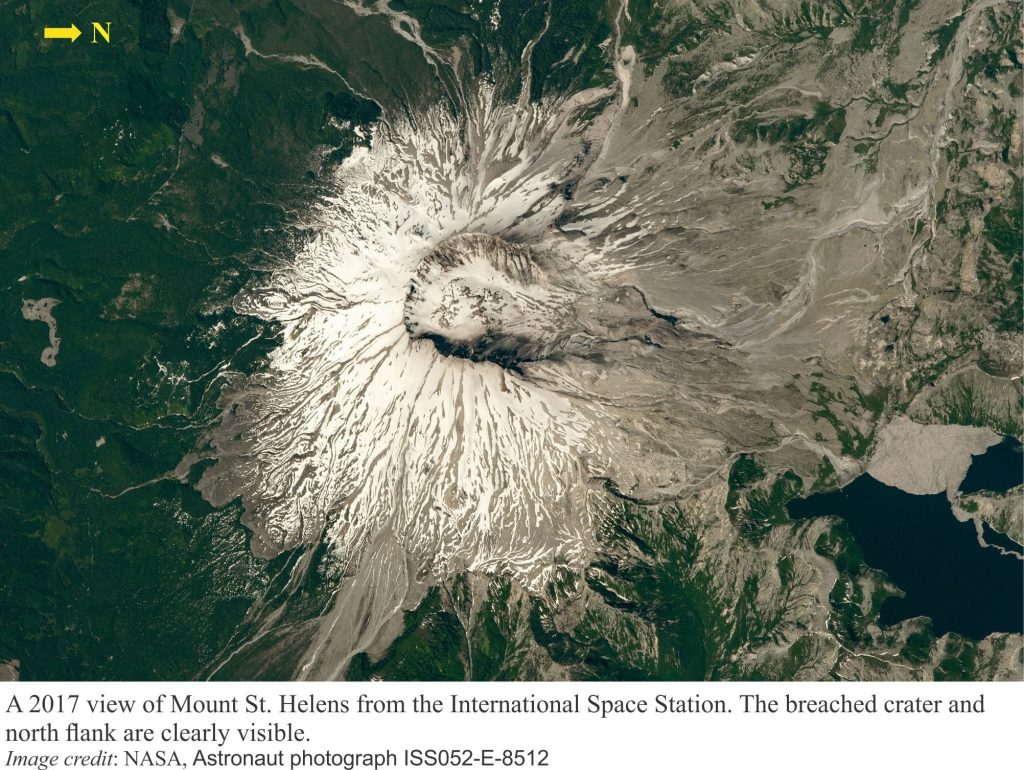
480,297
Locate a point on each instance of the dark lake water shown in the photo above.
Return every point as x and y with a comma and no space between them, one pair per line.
992,537
934,558
999,469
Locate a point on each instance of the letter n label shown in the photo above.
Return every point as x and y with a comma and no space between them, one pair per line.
98,28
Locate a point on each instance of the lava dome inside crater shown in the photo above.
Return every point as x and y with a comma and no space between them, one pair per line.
479,297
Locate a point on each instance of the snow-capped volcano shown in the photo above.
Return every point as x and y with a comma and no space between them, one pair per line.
452,374
515,314
362,424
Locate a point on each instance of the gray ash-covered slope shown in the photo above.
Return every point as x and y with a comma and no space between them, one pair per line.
566,339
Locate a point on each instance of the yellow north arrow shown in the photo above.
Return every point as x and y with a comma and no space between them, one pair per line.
62,33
